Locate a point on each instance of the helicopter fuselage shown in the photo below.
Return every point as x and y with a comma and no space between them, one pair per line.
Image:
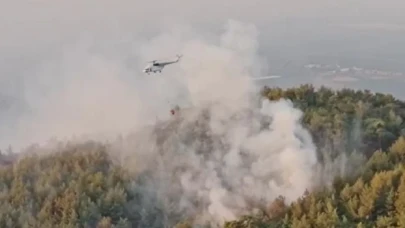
153,69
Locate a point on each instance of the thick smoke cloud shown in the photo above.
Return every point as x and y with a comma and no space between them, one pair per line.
232,162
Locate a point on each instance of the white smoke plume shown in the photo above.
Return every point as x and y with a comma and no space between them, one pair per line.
220,167
219,160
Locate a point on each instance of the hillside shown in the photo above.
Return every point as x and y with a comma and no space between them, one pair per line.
191,170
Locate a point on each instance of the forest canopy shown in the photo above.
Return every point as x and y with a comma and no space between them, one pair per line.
80,185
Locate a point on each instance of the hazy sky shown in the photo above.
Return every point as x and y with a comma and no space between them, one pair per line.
34,31
42,42
36,24
31,27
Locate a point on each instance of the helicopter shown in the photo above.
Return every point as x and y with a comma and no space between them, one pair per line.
157,66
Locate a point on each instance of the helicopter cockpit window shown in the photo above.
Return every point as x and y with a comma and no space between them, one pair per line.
156,64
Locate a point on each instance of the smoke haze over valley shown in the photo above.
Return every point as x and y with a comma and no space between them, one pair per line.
72,70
